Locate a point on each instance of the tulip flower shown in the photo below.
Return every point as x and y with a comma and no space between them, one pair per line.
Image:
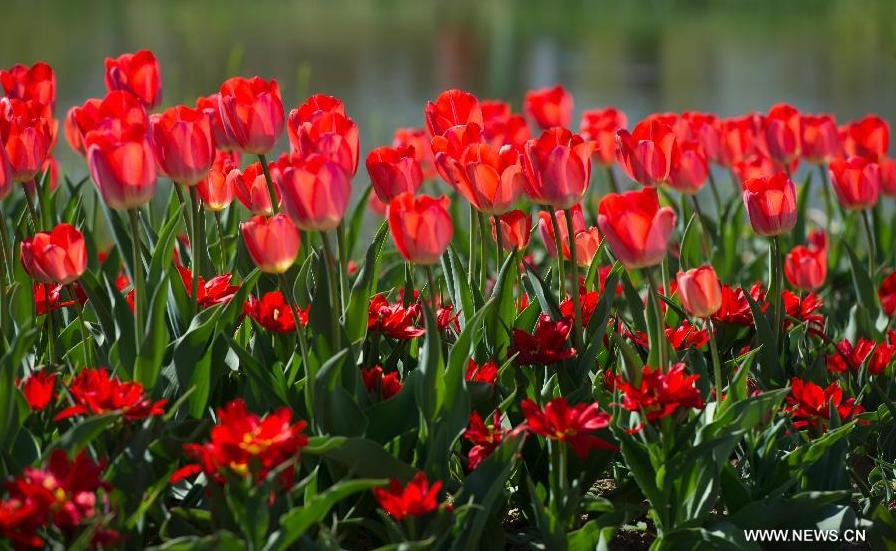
516,227
39,389
321,126
452,108
782,133
868,137
754,166
573,424
181,139
6,177
417,138
119,112
738,139
856,182
661,394
416,499
448,150
492,179
251,189
700,291
316,192
557,166
272,242
252,113
381,385
587,243
771,204
36,83
122,167
546,229
137,73
58,256
690,168
705,129
95,392
810,405
394,170
26,136
485,438
549,107
273,312
887,177
806,266
421,227
635,226
216,190
502,126
819,138
887,295
600,126
210,106
646,153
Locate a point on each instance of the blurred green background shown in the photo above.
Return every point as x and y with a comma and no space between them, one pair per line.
387,57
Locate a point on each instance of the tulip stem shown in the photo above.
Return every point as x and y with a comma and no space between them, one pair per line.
577,317
220,227
826,193
187,212
777,283
483,257
303,348
660,321
716,363
704,231
32,210
559,244
343,264
334,289
472,256
139,292
51,334
869,239
267,178
85,335
499,239
431,283
195,247
715,192
6,254
611,175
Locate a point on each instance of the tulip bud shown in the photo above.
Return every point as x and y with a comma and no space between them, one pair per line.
771,204
273,243
421,227
58,256
252,113
182,144
587,243
138,74
557,166
316,192
635,226
700,291
856,182
549,107
393,171
516,227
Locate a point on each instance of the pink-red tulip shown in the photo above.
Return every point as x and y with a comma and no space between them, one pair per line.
549,107
502,126
782,133
118,112
635,226
417,138
806,266
216,190
738,139
600,126
546,229
394,170
448,149
316,192
867,137
252,113
820,139
181,140
700,291
36,83
492,179
252,190
888,177
122,167
58,256
137,73
557,166
421,227
690,168
646,153
272,242
321,126
771,204
856,181
452,108
754,166
587,243
26,136
705,129
210,106
516,227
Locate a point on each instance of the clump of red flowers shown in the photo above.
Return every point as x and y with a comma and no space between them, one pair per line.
571,424
95,392
484,437
660,394
482,373
245,444
735,309
805,309
415,499
546,345
39,389
393,320
217,290
810,405
849,357
887,294
383,385
273,313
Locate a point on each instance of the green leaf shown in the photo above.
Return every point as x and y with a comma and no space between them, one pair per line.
83,433
367,459
155,338
543,293
691,253
866,291
430,386
364,286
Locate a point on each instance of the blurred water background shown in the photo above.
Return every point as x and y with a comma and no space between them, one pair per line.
387,57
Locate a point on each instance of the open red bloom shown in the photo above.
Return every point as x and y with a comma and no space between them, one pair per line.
217,290
383,385
49,297
600,126
484,373
549,106
805,309
245,444
686,336
485,438
452,108
546,345
735,309
393,320
571,424
647,152
887,294
661,394
868,137
415,499
850,358
587,301
273,313
321,126
38,389
137,73
95,392
810,405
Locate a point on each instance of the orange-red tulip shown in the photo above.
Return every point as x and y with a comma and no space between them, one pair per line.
754,166
549,107
316,192
58,256
493,179
252,190
118,112
646,153
210,106
417,138
452,108
820,139
181,140
738,139
635,226
26,136
782,133
587,243
705,129
867,137
252,113
6,181
806,266
394,170
216,190
771,204
448,149
700,291
888,177
273,243
690,168
421,227
502,126
557,166
856,181
36,83
546,229
321,126
600,126
516,227
137,73
122,167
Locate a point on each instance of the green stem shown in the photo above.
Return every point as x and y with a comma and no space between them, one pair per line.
139,291
826,193
499,239
611,176
659,320
558,242
704,231
778,282
471,275
715,192
51,334
716,363
32,210
186,211
869,239
220,228
332,284
343,264
85,335
6,254
303,348
483,257
577,318
195,247
431,283
267,178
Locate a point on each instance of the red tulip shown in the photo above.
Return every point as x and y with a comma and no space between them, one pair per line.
272,312
122,167
646,153
546,229
421,227
210,106
635,226
26,136
6,176
273,243
502,126
782,133
58,256
557,166
38,389
138,74
382,385
661,394
36,83
216,290
700,292
415,499
321,126
485,438
448,150
393,320
394,170
573,424
705,129
600,126
806,266
868,137
252,189
690,168
181,139
771,204
493,178
119,112
316,192
587,243
810,405
516,227
95,392
252,113
754,166
887,294
856,181
216,190
819,138
546,345
738,139
887,177
452,108
416,138
549,107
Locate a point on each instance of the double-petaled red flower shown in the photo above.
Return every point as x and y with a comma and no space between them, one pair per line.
735,308
573,424
810,405
273,313
94,392
546,345
482,373
661,394
804,310
415,499
394,320
321,126
217,290
686,336
245,444
887,294
380,384
39,389
485,438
